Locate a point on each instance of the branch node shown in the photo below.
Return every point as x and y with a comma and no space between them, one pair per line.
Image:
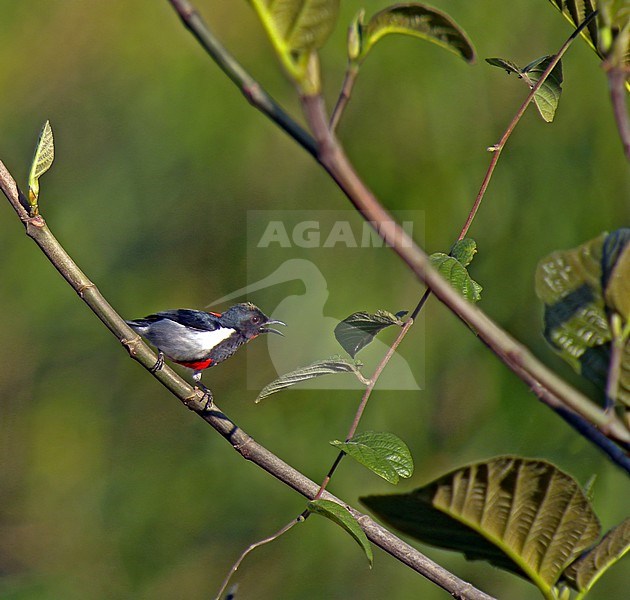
35,221
132,344
242,448
83,287
200,401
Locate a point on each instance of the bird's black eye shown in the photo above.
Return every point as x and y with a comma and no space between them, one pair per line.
255,319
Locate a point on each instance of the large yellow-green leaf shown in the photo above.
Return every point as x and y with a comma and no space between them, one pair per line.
522,515
577,306
582,574
296,28
413,19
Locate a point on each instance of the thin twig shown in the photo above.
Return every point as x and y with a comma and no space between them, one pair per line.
364,400
498,147
251,548
344,96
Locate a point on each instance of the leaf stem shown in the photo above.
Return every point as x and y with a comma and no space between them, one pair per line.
344,95
498,147
250,549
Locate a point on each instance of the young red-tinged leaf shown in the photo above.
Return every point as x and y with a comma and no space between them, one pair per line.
327,366
522,515
383,453
339,514
415,20
356,331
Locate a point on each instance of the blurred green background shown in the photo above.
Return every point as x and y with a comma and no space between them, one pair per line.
109,488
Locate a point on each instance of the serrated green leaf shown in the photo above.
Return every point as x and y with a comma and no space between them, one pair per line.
464,251
42,160
296,29
548,95
584,572
340,515
358,330
522,515
419,21
569,282
506,65
328,366
457,275
383,453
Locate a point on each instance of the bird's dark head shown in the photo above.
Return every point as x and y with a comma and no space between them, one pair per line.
249,320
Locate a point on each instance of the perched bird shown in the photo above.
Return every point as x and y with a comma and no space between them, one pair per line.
198,339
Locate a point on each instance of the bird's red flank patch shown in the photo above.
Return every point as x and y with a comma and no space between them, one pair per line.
198,365
219,315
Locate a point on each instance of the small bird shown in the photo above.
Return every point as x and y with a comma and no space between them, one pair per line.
198,339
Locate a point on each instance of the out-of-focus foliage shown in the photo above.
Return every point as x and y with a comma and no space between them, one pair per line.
111,489
581,288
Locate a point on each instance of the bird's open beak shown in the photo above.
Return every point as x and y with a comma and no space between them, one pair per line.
266,329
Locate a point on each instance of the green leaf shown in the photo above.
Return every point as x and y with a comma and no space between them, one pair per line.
584,572
383,453
42,160
522,515
548,95
339,514
296,29
327,366
358,330
457,275
411,19
464,251
569,282
506,65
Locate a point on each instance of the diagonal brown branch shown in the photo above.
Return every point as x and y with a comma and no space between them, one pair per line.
37,229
